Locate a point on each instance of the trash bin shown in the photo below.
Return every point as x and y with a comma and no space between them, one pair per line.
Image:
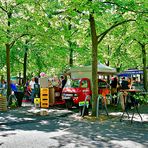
19,96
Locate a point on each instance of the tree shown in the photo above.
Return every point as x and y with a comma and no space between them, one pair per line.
9,10
95,41
64,32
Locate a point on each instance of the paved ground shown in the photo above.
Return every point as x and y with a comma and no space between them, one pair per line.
66,129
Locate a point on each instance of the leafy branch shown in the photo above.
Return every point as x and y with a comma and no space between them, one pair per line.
15,40
102,35
143,98
3,9
125,8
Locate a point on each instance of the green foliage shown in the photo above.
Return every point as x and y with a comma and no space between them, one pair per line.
55,27
142,98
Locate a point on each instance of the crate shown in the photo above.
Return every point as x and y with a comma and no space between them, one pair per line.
44,90
44,105
44,96
3,103
3,109
44,101
44,112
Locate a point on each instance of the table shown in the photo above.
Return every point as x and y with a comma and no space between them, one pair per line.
132,100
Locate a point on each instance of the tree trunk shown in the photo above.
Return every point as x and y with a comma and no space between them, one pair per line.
25,63
19,82
109,53
144,67
70,47
71,55
8,47
8,69
94,64
2,78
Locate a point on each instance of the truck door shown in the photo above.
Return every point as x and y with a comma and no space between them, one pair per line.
85,89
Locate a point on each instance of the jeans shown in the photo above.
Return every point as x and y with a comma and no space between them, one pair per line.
32,95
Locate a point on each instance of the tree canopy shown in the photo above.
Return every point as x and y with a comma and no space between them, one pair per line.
53,35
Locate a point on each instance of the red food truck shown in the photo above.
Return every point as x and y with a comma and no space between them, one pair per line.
80,85
80,88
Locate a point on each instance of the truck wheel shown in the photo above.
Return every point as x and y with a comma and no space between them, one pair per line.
69,104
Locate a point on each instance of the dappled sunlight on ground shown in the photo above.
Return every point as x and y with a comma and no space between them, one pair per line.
127,143
67,129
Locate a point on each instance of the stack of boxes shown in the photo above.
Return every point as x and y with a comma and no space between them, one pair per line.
44,92
44,95
3,103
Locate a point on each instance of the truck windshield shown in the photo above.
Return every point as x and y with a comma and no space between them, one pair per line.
73,83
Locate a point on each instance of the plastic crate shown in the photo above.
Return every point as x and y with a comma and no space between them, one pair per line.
44,100
44,90
44,105
44,96
3,103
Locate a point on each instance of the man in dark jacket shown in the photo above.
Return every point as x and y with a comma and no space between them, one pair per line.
63,81
124,84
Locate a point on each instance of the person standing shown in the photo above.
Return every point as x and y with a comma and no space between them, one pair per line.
13,87
63,81
31,84
125,84
114,84
27,83
3,84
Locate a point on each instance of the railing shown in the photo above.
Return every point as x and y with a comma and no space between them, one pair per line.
100,97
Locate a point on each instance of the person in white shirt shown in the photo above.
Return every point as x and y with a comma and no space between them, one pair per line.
31,84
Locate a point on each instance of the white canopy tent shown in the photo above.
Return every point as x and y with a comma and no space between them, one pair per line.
85,71
102,68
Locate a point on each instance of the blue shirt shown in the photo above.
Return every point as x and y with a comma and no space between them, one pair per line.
13,87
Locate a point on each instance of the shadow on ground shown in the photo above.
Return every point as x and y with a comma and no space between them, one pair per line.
77,132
